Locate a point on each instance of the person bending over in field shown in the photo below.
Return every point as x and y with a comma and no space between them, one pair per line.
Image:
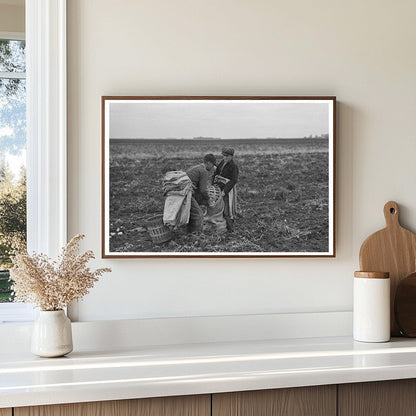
200,176
226,176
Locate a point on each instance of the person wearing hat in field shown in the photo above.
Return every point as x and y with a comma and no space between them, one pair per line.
200,177
226,176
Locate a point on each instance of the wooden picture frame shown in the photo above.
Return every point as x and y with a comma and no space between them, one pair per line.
154,151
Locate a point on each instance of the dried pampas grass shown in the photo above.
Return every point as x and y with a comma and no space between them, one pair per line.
53,285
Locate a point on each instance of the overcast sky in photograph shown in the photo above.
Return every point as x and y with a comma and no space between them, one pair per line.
222,119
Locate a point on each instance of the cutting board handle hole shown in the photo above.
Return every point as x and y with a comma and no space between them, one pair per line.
392,211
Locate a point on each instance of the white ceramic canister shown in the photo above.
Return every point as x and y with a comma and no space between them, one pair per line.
371,310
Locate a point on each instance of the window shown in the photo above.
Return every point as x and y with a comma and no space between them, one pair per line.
12,165
12,155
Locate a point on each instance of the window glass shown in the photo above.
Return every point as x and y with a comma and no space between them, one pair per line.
12,156
12,56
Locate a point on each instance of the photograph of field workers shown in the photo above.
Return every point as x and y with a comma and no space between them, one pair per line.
218,177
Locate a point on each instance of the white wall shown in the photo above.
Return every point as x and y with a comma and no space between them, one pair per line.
361,51
12,18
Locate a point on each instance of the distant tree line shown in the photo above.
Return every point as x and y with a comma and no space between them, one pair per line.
317,136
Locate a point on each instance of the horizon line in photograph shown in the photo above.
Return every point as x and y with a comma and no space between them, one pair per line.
324,136
155,119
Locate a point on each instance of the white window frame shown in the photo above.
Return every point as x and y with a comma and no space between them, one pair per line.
46,134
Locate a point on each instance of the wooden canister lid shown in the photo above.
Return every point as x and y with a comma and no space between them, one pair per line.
372,275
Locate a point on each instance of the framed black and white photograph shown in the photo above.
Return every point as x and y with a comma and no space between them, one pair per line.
218,176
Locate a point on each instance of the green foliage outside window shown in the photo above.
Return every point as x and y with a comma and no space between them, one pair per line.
12,224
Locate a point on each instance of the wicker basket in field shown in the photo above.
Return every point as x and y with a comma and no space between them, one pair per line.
158,231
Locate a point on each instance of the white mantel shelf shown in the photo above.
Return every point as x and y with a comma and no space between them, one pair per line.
151,371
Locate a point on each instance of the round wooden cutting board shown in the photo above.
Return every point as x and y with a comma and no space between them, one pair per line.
405,306
392,250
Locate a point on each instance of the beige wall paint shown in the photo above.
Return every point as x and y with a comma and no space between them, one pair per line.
12,18
361,51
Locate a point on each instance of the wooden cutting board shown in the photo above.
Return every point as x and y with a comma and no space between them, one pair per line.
393,250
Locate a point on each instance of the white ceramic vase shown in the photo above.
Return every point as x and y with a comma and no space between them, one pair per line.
52,334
